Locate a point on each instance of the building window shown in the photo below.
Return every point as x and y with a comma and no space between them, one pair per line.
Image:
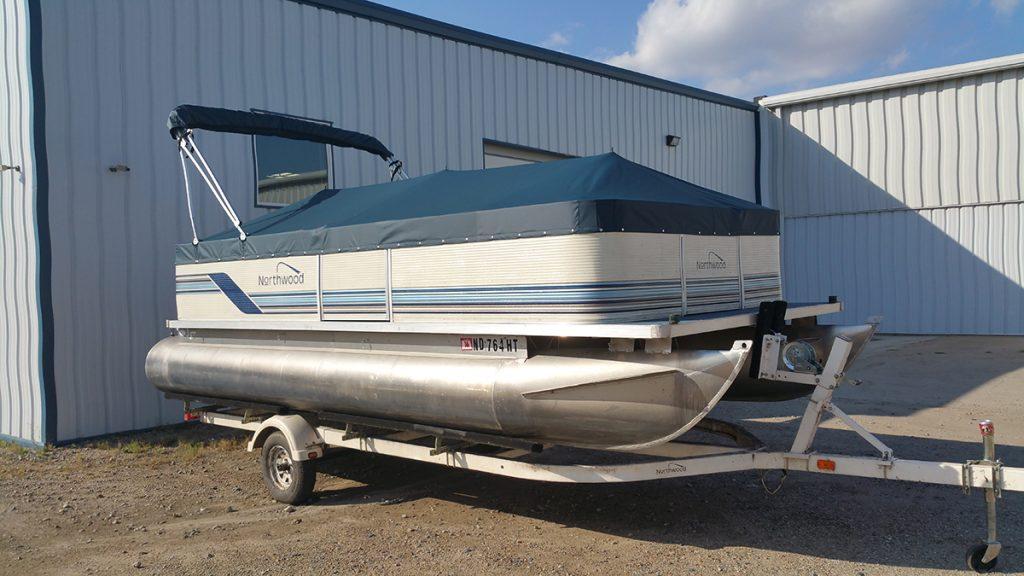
499,155
289,170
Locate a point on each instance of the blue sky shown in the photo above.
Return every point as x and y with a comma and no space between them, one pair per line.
750,47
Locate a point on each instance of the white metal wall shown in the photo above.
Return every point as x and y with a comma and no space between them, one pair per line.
21,398
908,202
114,68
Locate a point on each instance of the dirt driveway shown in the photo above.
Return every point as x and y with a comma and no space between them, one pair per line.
188,500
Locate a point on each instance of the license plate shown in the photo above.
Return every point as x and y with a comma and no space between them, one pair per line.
493,344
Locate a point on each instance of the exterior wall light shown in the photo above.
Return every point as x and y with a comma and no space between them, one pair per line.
672,140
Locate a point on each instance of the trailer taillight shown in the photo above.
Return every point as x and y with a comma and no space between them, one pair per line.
828,465
192,416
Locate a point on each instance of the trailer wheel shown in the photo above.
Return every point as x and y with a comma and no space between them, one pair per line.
289,481
975,554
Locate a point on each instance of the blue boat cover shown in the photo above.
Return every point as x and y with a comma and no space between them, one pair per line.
604,193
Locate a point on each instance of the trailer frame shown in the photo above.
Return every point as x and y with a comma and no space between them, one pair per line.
310,434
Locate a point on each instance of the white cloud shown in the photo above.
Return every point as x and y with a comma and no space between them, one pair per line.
555,40
560,39
896,60
750,47
1005,7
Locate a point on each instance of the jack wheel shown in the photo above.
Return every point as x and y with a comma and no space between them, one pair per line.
289,481
975,554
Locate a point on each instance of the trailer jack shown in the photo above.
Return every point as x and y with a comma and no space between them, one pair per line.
984,556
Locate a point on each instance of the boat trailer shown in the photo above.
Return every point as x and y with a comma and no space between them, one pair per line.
292,443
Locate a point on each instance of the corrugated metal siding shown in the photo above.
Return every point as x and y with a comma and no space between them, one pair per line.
21,398
907,201
954,270
114,68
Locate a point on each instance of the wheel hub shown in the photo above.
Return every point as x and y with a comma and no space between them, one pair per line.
280,467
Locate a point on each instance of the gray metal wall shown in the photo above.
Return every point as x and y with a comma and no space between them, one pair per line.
21,397
114,68
908,202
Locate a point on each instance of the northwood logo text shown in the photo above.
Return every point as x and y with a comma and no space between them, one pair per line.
289,276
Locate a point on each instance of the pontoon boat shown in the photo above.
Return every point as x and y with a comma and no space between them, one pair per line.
589,301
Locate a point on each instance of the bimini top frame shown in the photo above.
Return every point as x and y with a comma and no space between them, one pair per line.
186,118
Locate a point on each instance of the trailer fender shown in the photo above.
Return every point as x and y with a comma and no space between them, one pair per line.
303,440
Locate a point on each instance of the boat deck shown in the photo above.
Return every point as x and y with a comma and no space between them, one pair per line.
688,325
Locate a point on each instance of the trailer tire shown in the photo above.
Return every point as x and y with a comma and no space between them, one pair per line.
974,559
289,481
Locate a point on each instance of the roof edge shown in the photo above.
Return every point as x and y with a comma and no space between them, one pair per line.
974,68
408,20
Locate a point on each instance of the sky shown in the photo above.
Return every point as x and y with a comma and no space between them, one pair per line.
748,48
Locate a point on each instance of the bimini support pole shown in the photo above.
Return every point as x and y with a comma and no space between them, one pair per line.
188,196
187,146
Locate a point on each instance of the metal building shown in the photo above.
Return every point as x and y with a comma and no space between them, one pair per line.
93,206
906,191
905,194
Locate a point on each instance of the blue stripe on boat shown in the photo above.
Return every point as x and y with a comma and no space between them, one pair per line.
234,293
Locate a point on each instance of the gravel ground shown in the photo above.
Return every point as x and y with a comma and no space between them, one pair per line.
188,499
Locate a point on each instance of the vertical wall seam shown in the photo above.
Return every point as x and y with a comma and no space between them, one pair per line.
20,214
921,149
757,156
1017,122
25,211
981,101
900,96
938,145
100,212
6,351
126,206
72,379
998,156
42,209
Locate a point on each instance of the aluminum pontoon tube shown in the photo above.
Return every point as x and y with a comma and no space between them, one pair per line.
617,401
